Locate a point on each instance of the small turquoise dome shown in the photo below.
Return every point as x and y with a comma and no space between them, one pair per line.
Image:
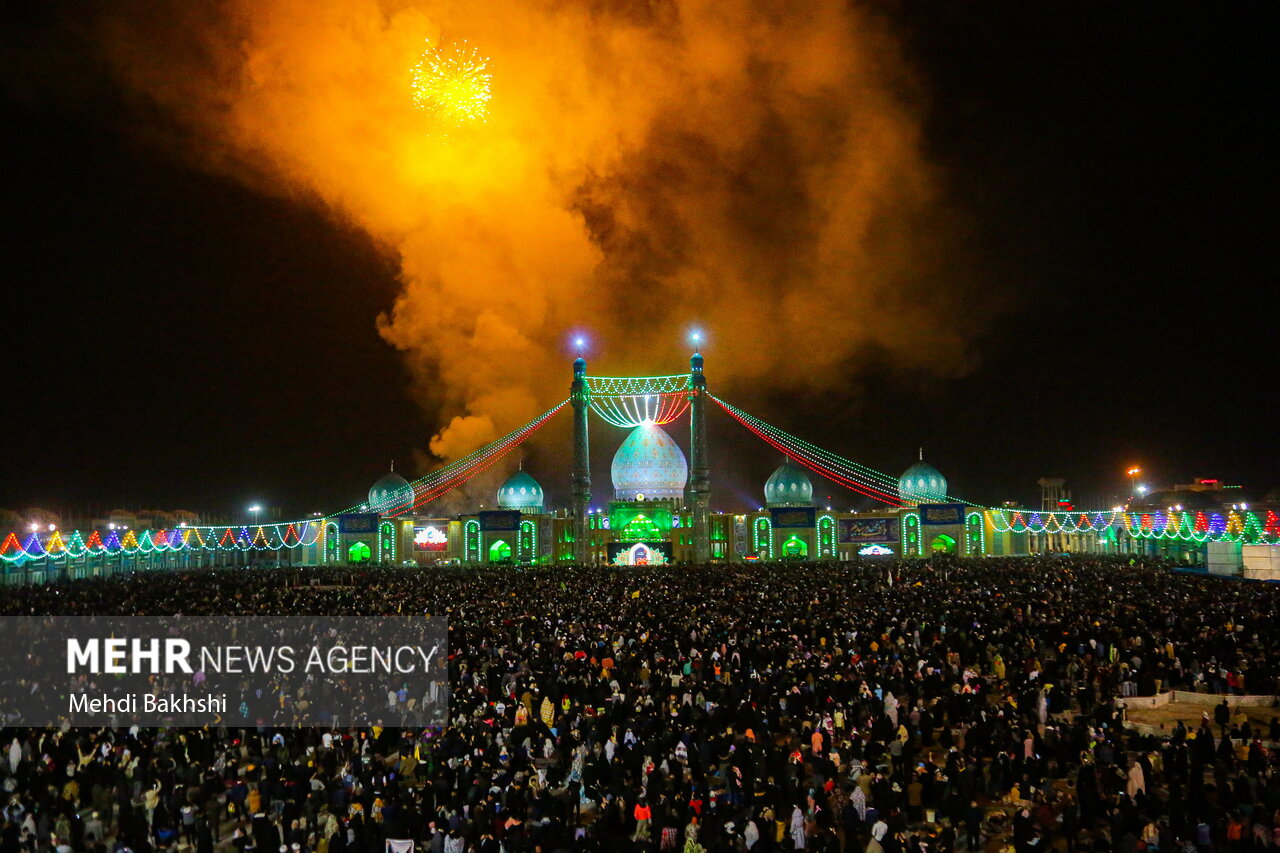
392,492
922,484
789,485
521,492
649,463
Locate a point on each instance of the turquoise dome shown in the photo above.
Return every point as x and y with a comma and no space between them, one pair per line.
649,463
922,484
390,492
788,486
521,492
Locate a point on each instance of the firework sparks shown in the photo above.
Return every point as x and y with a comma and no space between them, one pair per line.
452,83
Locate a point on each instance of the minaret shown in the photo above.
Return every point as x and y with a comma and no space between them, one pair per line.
580,396
698,492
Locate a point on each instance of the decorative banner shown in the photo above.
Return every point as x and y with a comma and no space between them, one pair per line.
544,538
942,513
639,553
358,522
793,516
875,551
500,519
856,530
432,537
740,536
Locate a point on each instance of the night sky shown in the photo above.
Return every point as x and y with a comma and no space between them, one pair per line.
174,339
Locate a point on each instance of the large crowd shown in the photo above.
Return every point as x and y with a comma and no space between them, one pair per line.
875,707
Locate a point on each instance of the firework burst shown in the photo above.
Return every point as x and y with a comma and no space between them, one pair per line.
452,83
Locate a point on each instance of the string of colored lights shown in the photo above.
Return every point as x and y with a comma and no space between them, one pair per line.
1189,526
873,479
266,537
259,537
813,461
636,385
1198,527
632,410
428,488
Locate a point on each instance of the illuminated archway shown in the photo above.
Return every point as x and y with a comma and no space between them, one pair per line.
942,544
500,552
359,553
795,548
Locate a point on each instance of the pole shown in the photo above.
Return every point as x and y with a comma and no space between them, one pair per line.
580,396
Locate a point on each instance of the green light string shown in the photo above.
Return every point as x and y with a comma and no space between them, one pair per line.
831,458
824,462
462,477
395,503
637,386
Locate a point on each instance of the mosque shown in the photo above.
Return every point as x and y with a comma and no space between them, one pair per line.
657,513
647,521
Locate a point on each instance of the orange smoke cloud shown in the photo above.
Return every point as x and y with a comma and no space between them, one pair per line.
749,168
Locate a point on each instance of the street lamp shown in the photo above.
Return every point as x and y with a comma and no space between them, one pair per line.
1133,472
255,509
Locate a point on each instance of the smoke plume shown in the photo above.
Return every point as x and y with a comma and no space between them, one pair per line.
646,166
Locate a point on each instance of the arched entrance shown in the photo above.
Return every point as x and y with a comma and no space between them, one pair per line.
499,552
942,544
795,548
359,553
640,527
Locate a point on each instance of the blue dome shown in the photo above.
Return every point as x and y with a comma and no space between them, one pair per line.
788,486
391,492
521,492
922,484
649,463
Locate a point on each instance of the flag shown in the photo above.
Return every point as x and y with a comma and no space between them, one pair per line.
635,594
